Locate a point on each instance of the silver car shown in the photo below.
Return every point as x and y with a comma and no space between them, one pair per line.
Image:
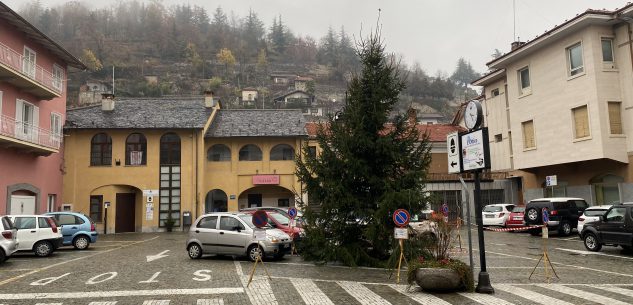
8,241
234,234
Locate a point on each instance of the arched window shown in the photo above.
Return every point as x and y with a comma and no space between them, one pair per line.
170,149
282,152
101,150
250,152
219,152
136,149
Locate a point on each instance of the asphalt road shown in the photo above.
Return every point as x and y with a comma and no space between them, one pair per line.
155,269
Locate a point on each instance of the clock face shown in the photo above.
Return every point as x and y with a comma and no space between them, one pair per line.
472,115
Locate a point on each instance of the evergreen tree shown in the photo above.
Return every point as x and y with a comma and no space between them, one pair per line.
464,73
367,168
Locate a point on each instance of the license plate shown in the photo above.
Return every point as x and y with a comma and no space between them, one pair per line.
490,216
517,218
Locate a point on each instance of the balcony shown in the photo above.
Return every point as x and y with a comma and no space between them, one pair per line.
28,138
28,76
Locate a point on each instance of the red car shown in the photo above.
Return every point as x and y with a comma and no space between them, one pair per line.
515,219
282,222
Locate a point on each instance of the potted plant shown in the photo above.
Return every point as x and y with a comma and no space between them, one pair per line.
430,265
169,223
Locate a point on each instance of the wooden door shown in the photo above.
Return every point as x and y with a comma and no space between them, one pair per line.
254,200
124,219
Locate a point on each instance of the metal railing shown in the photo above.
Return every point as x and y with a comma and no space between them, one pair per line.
467,176
29,133
29,69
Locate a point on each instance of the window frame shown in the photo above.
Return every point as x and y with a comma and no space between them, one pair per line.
33,71
99,211
286,155
214,151
575,123
527,89
579,70
58,77
612,120
168,149
610,40
245,155
140,144
525,142
56,127
105,149
494,92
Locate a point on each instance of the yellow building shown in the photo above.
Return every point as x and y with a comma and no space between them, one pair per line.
130,164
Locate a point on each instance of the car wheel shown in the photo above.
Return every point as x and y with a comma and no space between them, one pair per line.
564,229
81,242
253,252
3,257
533,215
43,248
591,242
194,251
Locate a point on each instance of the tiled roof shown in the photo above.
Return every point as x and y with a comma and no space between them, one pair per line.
177,113
435,132
257,123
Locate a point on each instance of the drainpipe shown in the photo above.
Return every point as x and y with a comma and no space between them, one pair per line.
196,174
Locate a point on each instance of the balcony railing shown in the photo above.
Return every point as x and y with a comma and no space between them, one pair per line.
29,69
29,133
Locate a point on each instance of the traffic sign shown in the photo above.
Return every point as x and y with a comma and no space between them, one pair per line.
545,215
260,219
401,217
292,212
475,150
452,145
445,209
401,233
551,180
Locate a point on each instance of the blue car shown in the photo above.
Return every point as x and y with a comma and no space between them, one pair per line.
78,229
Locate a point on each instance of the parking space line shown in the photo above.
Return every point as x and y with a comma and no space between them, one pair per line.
103,303
9,280
531,295
623,291
485,298
156,302
119,293
210,302
15,270
422,298
362,294
600,299
593,253
310,292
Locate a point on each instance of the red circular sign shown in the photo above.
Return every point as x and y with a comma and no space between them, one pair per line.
401,217
260,218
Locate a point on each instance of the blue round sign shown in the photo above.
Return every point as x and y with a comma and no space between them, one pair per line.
292,212
401,217
260,219
545,215
445,209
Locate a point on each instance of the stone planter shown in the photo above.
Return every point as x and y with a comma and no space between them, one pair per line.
438,279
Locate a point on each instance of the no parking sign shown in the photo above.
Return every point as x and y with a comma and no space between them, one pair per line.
401,217
545,215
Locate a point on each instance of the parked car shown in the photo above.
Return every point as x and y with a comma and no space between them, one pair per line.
233,234
496,214
8,240
515,219
282,222
282,210
37,233
563,213
78,229
422,225
615,228
591,214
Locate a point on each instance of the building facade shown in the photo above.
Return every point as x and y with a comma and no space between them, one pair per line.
33,71
557,105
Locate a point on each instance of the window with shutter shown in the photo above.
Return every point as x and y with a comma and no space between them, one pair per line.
581,122
528,134
615,117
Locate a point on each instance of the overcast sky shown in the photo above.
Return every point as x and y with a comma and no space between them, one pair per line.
434,33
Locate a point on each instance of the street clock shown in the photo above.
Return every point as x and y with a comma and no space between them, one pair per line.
473,115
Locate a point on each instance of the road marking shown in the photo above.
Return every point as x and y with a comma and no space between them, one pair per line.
566,265
15,270
310,292
157,256
48,303
259,292
531,295
362,294
623,291
593,253
600,299
119,293
210,302
9,280
103,303
485,299
420,297
156,302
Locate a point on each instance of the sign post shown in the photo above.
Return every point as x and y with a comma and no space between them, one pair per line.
401,218
260,220
292,212
452,144
547,264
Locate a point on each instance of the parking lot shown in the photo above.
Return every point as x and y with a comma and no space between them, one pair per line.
155,269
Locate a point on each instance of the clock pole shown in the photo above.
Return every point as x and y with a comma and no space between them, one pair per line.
483,283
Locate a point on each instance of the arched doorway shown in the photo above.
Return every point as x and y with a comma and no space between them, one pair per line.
266,196
606,188
116,208
216,201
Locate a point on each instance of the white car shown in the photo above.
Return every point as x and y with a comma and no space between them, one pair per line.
8,242
591,214
37,233
496,214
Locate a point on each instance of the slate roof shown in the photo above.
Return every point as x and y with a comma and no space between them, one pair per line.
145,113
257,123
435,132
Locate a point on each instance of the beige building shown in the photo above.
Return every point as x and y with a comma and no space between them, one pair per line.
557,105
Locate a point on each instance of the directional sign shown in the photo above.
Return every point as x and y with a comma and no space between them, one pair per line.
551,180
452,145
260,219
292,212
401,217
445,209
475,150
157,256
545,215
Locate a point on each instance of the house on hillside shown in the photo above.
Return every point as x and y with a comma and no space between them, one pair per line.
428,115
294,99
90,92
303,83
557,106
282,78
249,96
33,93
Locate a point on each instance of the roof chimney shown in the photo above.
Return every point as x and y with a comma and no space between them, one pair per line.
107,101
208,99
516,44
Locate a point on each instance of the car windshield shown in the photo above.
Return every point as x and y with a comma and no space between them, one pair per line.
248,220
280,218
518,210
594,212
492,208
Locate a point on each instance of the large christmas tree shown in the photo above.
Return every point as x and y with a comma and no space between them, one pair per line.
368,166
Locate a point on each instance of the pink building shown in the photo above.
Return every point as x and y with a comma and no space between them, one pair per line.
33,71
